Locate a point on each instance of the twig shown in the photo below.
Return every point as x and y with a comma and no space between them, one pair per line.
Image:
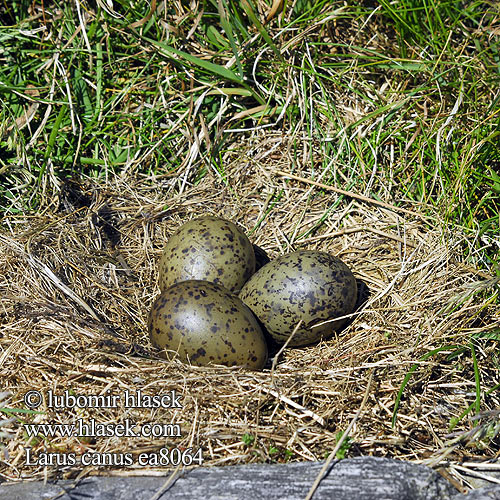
352,195
290,402
283,347
144,20
357,229
341,441
481,465
472,472
166,484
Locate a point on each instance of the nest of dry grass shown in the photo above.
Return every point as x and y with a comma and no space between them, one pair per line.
77,282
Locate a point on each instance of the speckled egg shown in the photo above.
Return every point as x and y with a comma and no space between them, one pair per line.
209,249
306,285
205,324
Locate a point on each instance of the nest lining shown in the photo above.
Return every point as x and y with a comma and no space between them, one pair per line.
78,281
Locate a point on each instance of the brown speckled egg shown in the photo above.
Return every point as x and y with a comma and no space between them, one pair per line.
206,324
306,285
209,249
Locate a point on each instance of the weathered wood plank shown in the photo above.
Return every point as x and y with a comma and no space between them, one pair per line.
357,478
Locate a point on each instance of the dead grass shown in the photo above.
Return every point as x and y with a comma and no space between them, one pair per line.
77,282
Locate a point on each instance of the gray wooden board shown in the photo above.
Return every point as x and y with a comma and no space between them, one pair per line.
355,478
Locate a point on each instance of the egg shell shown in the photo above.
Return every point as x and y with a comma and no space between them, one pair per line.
306,285
209,249
205,324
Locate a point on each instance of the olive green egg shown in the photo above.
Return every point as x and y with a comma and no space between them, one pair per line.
209,249
205,324
306,285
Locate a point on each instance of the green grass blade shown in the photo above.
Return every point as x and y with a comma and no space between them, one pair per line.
214,69
11,411
82,95
99,80
477,379
226,26
248,8
409,374
52,139
470,407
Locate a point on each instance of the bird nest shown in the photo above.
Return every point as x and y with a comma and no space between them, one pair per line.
78,280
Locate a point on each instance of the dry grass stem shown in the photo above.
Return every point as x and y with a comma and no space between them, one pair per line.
345,435
350,194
